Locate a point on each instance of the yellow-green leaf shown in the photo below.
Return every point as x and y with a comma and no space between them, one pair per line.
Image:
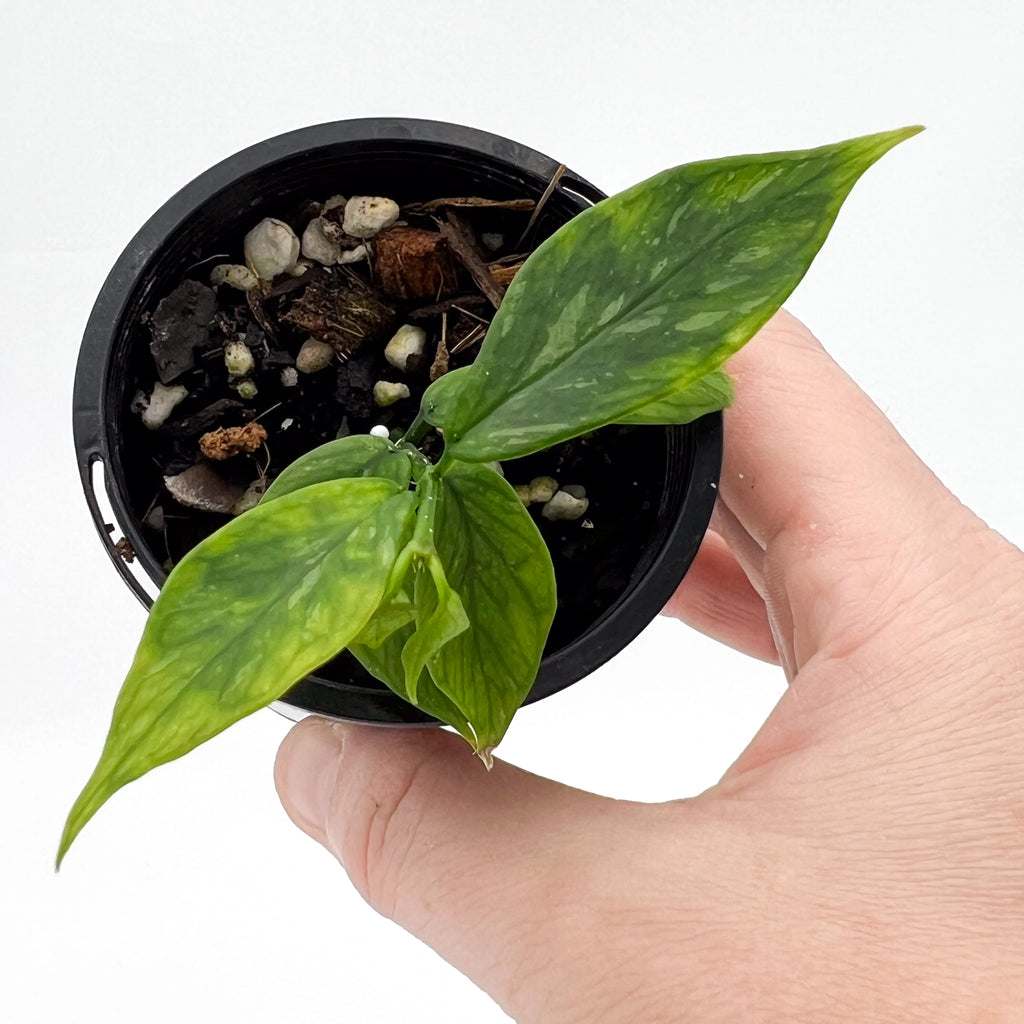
709,394
359,455
245,615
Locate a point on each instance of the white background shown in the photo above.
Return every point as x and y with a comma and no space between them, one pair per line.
191,897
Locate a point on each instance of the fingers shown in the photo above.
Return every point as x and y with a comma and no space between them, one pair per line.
717,598
816,477
476,864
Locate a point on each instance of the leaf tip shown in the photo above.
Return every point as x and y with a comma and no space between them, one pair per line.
484,753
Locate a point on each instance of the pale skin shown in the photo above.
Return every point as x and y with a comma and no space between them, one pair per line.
863,859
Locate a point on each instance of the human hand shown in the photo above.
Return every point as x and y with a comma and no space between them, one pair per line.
863,859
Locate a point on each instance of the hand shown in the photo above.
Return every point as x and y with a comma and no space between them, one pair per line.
862,861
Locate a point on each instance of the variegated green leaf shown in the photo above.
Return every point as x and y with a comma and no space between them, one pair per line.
359,455
709,394
245,615
647,292
439,397
496,560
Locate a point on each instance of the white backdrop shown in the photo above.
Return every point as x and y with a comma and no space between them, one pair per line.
191,897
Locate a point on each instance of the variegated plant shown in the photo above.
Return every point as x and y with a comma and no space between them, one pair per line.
434,575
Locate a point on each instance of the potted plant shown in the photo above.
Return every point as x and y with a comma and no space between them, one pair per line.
411,549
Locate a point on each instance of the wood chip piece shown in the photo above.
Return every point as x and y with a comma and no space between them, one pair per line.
202,487
504,275
342,311
414,263
467,250
180,324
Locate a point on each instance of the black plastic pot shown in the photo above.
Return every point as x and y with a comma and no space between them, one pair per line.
379,156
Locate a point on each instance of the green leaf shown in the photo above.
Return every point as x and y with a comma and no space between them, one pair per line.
246,614
639,297
439,397
495,558
440,617
709,394
359,455
392,615
384,662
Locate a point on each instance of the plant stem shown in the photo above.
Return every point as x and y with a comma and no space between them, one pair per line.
417,429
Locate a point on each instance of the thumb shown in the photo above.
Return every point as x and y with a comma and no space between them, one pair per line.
482,866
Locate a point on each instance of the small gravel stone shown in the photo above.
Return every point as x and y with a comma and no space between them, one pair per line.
523,493
542,488
366,215
409,342
387,393
317,246
246,389
564,506
289,376
234,275
250,498
238,359
271,248
313,356
576,490
160,403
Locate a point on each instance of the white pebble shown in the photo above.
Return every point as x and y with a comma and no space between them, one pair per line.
235,276
523,493
250,498
542,488
271,248
409,341
366,215
159,405
352,255
313,356
564,506
289,376
333,203
246,389
238,359
287,422
380,431
387,393
317,246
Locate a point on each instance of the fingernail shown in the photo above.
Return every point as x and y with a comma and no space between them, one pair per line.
308,772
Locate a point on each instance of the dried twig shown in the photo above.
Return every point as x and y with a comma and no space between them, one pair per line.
470,339
470,202
548,192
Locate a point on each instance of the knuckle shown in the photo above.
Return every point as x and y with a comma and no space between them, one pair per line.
374,827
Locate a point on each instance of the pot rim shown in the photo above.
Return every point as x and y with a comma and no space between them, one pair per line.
611,633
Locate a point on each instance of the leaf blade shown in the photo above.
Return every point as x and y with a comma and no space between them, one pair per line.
358,455
496,560
711,393
706,252
301,575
